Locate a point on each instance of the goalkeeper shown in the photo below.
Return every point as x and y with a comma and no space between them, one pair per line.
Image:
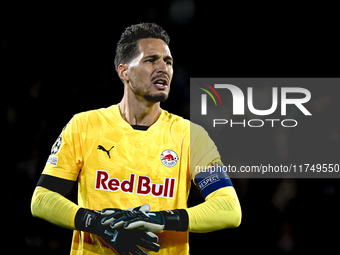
135,154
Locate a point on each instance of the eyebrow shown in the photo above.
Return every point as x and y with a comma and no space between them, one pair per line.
158,56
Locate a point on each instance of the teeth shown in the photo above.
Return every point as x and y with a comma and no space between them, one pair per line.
160,82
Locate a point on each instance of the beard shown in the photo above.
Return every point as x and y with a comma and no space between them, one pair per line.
156,98
151,97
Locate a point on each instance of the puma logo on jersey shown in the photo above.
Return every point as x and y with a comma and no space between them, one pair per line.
103,149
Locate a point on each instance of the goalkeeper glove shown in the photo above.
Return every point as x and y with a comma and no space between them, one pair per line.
122,240
177,220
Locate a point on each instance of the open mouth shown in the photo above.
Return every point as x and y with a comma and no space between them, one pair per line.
160,83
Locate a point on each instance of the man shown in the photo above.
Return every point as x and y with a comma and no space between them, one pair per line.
135,154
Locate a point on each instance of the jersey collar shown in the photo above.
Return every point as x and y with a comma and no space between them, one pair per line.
121,122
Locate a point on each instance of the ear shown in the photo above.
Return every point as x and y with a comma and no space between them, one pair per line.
123,72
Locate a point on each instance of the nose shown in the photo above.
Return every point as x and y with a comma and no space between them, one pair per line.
161,66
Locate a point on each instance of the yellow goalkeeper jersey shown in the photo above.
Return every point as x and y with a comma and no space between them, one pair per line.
118,166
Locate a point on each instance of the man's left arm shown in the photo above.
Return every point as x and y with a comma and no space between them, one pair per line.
220,210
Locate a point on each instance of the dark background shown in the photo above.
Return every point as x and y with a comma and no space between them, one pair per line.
57,60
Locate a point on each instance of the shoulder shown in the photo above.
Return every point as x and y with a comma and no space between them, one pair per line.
93,115
183,125
176,122
91,119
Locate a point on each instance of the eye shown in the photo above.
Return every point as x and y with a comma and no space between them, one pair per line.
168,62
150,60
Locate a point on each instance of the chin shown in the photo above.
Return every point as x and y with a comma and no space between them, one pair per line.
157,98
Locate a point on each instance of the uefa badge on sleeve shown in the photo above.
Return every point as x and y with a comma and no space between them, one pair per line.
57,145
169,158
52,160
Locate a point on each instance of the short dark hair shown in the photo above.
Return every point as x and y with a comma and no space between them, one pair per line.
127,47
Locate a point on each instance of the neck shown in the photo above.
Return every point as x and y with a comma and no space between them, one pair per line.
138,111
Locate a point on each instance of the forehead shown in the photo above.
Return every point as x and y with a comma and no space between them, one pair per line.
152,46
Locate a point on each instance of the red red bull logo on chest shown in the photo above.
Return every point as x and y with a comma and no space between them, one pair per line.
143,185
169,158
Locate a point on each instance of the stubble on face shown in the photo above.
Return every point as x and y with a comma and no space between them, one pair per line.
144,91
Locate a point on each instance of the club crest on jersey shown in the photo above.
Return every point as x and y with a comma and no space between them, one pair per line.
169,158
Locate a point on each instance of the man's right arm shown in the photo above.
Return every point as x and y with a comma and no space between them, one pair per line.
49,201
59,176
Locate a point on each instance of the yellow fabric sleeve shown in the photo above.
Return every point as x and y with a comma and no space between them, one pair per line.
53,207
220,210
203,150
67,153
